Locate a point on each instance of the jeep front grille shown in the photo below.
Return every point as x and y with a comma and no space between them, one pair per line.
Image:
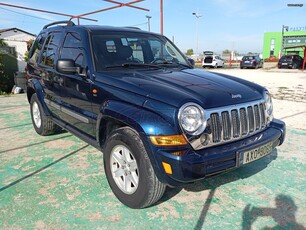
236,123
232,123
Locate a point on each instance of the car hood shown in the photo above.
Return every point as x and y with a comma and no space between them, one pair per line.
190,85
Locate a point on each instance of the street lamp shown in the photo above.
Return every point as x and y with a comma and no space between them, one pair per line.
283,30
148,17
197,16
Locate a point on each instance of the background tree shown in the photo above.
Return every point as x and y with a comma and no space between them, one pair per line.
189,52
2,42
8,67
29,45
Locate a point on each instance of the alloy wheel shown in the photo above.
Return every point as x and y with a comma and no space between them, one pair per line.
124,169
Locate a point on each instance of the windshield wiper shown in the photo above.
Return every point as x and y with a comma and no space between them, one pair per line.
128,64
167,63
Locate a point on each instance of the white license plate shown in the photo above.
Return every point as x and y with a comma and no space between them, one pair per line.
284,63
255,154
247,62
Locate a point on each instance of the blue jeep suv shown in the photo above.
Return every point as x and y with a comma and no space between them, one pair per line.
134,96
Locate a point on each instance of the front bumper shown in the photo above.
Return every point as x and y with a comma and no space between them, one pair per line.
196,165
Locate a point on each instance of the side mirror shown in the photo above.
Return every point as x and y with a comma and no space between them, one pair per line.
191,61
67,66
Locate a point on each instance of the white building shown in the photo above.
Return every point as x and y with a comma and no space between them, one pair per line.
18,39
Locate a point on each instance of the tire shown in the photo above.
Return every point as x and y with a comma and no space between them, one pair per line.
294,66
129,171
43,125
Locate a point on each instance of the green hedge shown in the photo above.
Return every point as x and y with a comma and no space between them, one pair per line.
8,68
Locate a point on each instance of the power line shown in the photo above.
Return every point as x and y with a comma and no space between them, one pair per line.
22,21
25,14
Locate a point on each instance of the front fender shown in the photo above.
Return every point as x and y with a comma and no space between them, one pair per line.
144,121
34,86
139,118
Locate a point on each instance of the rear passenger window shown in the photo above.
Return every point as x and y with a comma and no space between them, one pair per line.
50,49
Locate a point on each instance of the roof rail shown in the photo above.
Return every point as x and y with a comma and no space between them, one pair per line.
68,23
132,27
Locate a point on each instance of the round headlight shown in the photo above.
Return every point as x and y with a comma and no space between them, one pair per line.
269,105
192,118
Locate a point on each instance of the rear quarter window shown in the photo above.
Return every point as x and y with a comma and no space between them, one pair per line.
36,48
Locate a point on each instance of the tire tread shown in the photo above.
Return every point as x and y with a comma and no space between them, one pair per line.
48,127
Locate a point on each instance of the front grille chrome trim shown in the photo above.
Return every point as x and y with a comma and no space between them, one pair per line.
231,123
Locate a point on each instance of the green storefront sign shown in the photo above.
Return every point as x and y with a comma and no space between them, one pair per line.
273,43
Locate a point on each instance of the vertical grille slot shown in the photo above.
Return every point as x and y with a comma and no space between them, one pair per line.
216,127
243,121
257,117
226,125
236,123
262,115
251,119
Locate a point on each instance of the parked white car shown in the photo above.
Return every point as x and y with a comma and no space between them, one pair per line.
211,60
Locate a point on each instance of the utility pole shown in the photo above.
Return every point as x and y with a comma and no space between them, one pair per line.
161,18
149,17
283,40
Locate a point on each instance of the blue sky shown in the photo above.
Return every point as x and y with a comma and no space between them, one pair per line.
224,24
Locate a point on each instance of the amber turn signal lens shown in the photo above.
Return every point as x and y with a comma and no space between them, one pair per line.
172,140
167,168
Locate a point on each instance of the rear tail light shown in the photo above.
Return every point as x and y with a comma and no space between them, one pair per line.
26,73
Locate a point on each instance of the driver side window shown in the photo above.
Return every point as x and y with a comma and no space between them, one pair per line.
73,49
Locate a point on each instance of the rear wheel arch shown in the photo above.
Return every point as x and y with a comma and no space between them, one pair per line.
34,87
30,92
43,125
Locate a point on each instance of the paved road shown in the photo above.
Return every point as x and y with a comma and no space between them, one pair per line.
58,182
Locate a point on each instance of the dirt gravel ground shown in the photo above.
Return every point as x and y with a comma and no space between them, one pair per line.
58,182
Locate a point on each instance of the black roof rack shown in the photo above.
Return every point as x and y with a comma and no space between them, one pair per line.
68,23
132,27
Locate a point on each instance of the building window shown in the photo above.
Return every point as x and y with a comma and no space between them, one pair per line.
272,45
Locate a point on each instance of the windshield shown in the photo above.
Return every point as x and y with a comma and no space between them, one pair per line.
248,58
122,49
